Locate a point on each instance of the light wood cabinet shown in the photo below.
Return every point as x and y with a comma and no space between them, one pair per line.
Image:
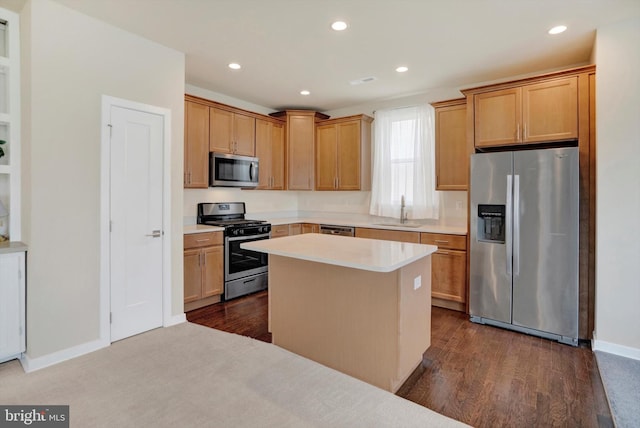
452,155
310,228
527,114
231,132
295,229
196,145
300,135
448,270
343,154
388,235
203,269
270,151
279,230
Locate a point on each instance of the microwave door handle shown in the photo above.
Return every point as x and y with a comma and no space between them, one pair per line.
251,170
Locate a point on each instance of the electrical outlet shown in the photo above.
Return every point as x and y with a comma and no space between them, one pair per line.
459,205
417,282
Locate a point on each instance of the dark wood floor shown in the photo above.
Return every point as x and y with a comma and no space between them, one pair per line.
483,376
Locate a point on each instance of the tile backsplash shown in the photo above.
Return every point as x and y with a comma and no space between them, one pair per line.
453,205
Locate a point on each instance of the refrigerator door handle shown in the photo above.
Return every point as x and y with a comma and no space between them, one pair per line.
516,224
509,220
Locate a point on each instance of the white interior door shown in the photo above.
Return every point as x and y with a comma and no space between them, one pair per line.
136,238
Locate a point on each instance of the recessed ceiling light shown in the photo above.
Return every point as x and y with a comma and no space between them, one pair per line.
558,29
235,66
402,69
305,92
339,25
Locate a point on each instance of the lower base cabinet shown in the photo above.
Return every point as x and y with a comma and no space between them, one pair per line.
388,235
448,270
310,228
203,269
12,305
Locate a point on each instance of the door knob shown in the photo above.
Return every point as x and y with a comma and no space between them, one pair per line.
155,234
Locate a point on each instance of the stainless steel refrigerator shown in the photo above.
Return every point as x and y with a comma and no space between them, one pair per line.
524,222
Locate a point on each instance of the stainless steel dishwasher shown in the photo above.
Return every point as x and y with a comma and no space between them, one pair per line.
337,230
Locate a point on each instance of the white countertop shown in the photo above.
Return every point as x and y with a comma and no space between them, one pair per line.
371,224
200,228
350,220
7,247
358,253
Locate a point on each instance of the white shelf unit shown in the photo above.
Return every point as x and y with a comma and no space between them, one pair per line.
10,188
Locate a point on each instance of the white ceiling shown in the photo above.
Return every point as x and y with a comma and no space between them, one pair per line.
285,46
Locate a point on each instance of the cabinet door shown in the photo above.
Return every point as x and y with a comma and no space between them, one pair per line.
326,153
497,117
452,157
310,228
550,111
300,148
12,305
192,275
295,229
448,275
196,145
348,155
213,277
220,130
264,153
244,135
277,156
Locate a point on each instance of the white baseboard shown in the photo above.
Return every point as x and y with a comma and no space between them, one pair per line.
33,364
614,348
176,319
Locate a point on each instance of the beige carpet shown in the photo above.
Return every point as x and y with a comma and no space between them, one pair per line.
194,376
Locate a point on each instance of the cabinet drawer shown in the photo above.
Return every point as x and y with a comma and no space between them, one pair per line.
388,235
205,239
442,240
279,230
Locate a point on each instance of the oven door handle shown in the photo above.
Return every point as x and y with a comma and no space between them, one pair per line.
248,238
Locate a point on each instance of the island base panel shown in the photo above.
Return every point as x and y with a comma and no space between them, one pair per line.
370,325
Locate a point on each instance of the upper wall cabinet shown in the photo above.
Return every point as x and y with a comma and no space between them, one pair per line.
343,154
536,111
270,151
452,155
300,136
231,132
196,145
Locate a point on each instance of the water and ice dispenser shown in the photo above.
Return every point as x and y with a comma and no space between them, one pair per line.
491,223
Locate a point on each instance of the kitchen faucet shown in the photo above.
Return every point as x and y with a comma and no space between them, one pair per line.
403,215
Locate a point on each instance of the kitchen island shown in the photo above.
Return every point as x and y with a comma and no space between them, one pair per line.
360,306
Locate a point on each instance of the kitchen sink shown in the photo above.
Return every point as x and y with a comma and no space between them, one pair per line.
411,225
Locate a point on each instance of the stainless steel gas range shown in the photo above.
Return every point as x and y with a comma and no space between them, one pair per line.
245,271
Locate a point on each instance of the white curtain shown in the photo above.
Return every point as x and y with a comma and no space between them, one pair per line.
404,163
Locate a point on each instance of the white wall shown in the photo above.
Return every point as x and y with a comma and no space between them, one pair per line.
617,57
74,60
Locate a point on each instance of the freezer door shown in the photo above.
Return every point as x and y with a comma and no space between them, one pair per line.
490,262
545,245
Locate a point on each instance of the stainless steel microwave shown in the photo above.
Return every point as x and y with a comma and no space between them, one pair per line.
232,170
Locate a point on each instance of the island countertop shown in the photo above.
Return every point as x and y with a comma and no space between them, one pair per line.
358,253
